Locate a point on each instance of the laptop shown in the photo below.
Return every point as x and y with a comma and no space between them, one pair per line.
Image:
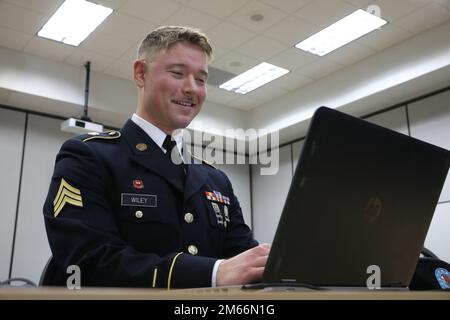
361,196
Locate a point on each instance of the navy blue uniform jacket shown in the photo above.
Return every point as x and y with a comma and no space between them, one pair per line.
116,210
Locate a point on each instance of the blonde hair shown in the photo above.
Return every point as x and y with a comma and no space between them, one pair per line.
163,37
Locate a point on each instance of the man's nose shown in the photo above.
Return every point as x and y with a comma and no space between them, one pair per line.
189,85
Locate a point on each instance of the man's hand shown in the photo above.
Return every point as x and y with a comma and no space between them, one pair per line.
246,267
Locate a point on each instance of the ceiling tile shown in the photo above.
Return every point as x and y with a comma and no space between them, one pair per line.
266,93
80,56
135,30
150,10
218,52
392,10
287,6
325,12
235,63
113,4
46,7
48,49
319,69
13,39
350,53
131,54
21,19
362,4
228,35
106,45
245,102
443,2
121,69
193,18
291,81
221,96
293,58
261,48
291,30
270,16
385,37
218,8
420,20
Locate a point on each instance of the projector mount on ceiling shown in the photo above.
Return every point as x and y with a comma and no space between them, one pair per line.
84,124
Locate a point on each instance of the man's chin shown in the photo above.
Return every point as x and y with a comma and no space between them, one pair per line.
182,123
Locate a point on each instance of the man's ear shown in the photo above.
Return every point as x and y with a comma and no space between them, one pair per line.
139,69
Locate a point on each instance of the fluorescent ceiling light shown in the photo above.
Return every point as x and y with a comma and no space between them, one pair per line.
342,32
74,21
254,78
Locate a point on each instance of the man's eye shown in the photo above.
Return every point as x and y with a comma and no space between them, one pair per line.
200,80
176,73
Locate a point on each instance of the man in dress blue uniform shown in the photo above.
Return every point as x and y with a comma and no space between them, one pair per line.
120,209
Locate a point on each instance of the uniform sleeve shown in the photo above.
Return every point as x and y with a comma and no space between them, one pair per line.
239,236
82,231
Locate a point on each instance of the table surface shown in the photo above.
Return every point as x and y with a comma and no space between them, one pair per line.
223,293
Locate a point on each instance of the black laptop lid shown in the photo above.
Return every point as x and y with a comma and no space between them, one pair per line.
361,195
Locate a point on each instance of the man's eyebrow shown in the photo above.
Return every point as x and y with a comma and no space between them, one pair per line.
181,65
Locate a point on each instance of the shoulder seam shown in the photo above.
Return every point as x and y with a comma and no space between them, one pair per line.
204,161
109,137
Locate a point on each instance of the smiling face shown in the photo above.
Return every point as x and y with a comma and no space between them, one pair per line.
172,86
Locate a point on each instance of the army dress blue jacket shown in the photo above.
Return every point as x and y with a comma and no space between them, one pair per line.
116,210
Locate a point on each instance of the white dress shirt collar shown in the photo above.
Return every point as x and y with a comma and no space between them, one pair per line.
156,134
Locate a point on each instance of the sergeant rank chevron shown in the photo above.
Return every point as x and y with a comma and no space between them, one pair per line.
66,194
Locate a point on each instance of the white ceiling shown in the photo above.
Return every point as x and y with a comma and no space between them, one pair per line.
239,42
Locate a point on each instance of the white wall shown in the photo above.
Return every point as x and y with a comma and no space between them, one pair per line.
438,239
394,120
430,122
268,195
31,251
12,128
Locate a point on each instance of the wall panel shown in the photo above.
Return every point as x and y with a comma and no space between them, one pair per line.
430,121
269,194
438,237
393,119
43,140
12,127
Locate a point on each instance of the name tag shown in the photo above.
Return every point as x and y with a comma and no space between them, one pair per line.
139,200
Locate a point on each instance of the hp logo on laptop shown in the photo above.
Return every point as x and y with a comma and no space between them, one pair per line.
373,209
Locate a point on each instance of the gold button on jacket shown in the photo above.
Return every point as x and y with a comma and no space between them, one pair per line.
192,249
189,217
139,214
